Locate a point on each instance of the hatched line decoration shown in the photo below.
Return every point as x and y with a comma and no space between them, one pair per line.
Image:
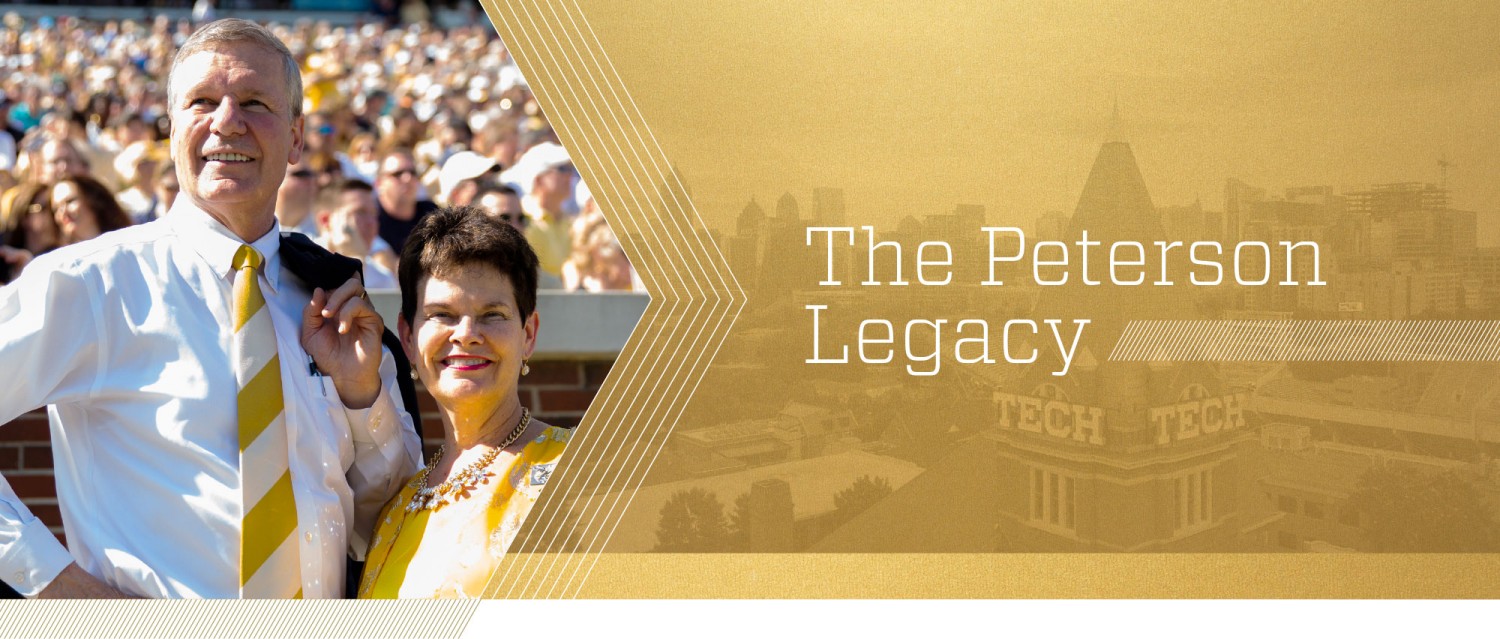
1309,340
694,297
189,619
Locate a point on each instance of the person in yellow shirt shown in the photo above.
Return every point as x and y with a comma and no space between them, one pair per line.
545,177
469,324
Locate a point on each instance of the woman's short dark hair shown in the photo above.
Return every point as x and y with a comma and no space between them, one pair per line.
98,200
452,238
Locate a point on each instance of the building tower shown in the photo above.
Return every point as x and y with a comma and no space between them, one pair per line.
1119,456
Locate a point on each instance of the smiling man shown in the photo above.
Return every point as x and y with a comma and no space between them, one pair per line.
219,427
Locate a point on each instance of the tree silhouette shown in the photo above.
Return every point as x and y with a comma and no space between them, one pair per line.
859,497
739,522
692,521
1407,510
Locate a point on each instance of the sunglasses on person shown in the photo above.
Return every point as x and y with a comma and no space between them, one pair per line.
403,173
302,174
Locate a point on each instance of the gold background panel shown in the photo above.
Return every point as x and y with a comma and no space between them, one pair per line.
1043,576
718,134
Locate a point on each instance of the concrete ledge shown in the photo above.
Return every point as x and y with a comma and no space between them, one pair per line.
573,325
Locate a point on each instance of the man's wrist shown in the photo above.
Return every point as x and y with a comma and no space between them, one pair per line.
75,583
31,564
357,395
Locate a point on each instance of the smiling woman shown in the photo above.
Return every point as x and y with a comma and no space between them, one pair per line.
469,325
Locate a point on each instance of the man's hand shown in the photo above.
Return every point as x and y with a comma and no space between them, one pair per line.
341,331
74,583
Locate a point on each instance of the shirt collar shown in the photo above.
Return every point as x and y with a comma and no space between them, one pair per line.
216,244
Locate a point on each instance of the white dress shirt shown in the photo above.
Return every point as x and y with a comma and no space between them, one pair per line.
127,338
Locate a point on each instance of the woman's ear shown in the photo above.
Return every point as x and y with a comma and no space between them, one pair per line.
532,325
408,343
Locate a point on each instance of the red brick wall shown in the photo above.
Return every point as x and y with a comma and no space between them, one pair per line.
26,462
557,392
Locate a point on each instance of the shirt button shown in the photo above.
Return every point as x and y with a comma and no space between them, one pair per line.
20,577
308,537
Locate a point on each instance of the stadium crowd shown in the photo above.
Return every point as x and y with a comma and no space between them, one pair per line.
399,121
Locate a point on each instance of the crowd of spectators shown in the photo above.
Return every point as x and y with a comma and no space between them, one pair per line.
399,121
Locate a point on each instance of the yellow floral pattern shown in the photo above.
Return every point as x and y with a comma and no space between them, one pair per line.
399,534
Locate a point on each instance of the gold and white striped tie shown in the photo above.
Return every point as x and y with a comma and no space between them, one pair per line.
269,565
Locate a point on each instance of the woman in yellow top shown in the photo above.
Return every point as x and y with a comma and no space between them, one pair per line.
468,323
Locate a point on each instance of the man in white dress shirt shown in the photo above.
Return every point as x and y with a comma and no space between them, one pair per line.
128,339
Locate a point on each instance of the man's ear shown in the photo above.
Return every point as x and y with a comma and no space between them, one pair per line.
295,155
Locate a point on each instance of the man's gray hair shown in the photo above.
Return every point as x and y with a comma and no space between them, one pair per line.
230,30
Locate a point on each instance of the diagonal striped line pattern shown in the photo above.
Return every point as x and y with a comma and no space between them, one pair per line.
269,565
274,518
255,618
256,412
1309,340
694,297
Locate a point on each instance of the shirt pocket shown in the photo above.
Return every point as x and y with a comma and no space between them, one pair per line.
322,424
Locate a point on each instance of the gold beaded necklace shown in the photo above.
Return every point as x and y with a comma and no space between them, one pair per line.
465,481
